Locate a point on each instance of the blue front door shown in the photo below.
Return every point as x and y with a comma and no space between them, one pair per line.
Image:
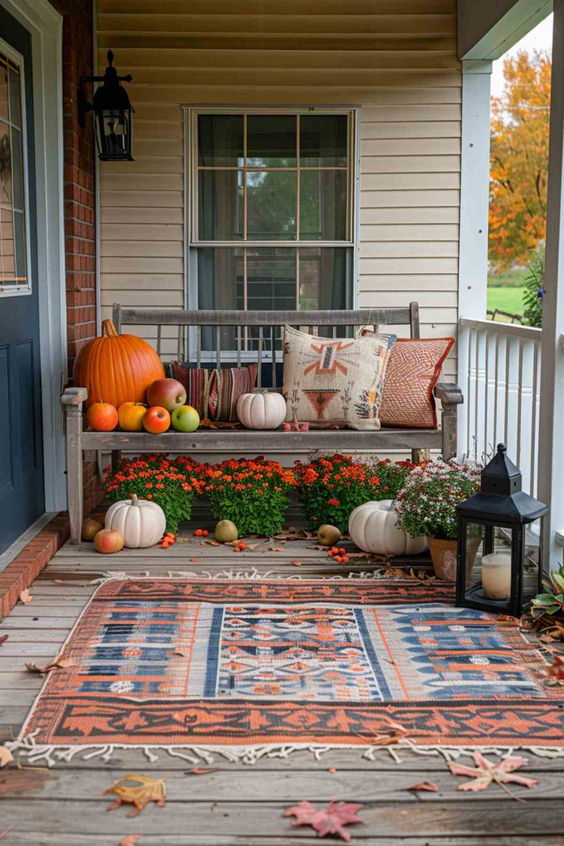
21,449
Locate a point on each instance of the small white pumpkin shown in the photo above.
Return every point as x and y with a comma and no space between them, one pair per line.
141,523
261,410
372,527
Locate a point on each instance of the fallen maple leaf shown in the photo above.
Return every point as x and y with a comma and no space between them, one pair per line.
6,757
5,832
326,821
203,770
3,639
423,786
487,772
129,840
555,673
25,597
58,663
144,790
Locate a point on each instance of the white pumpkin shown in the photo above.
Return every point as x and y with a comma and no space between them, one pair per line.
141,523
261,410
372,527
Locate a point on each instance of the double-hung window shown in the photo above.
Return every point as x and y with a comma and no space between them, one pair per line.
271,208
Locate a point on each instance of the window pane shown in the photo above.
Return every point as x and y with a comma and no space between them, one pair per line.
271,278
220,286
220,140
323,140
5,165
220,205
17,170
325,277
271,140
19,230
4,89
7,258
271,205
15,98
323,205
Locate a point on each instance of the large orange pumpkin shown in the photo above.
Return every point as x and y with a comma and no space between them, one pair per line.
116,368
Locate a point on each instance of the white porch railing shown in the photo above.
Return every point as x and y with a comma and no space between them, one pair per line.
499,373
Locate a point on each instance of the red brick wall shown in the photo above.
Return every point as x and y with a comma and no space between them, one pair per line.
79,188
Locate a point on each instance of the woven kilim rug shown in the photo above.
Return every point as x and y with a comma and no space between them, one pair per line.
238,666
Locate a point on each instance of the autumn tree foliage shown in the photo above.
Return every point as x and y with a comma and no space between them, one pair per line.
519,160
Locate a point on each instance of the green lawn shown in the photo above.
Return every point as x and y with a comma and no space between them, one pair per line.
508,299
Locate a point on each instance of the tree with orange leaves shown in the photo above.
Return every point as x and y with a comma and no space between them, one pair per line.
519,160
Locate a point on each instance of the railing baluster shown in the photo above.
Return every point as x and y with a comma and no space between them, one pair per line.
238,346
534,416
274,375
519,401
259,358
179,344
198,347
218,347
159,334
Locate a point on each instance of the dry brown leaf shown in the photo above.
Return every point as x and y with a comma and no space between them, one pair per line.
6,756
203,770
423,786
212,542
58,663
129,840
486,772
3,639
331,820
296,563
6,831
137,790
25,597
184,652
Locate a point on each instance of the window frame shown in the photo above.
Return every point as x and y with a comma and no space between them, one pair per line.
26,289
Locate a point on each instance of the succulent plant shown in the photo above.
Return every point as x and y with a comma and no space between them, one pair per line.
551,601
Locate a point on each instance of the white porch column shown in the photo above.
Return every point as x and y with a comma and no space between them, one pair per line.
474,201
551,421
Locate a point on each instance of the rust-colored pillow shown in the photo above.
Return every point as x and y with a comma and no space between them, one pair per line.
414,368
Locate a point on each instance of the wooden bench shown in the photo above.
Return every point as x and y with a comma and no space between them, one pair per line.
256,336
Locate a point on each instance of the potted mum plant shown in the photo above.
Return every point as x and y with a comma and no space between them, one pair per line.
427,506
332,486
156,478
253,494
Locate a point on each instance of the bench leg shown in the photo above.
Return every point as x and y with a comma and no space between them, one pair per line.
116,460
74,472
449,423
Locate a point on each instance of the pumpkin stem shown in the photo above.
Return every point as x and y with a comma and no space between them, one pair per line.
108,329
134,500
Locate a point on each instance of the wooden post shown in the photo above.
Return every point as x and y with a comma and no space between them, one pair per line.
450,397
551,443
72,400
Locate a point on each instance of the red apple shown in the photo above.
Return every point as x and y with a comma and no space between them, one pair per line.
108,541
156,420
167,393
102,416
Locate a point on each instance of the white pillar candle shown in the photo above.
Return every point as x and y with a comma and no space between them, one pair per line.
496,575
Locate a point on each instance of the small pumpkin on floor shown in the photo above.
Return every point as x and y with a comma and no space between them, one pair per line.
373,528
140,522
108,541
226,532
90,528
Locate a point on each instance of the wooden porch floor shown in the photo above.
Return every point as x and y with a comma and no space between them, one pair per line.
238,805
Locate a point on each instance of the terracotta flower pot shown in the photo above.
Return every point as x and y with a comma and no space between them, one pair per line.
443,556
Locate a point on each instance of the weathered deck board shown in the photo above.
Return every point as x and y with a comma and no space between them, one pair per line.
238,805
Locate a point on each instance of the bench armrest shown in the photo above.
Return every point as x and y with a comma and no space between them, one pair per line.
448,393
74,396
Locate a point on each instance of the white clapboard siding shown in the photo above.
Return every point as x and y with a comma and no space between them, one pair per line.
396,61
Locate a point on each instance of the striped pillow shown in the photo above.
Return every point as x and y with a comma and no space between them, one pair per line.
214,393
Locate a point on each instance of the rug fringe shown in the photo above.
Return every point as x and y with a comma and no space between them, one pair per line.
247,575
50,755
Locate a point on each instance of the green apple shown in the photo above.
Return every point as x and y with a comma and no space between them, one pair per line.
185,418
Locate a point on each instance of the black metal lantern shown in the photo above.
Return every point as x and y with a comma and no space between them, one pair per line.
112,114
495,522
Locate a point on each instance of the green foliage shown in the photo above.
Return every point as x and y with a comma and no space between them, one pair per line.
533,292
552,600
331,487
252,494
159,480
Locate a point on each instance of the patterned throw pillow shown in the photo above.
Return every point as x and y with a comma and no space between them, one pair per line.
334,381
214,393
414,368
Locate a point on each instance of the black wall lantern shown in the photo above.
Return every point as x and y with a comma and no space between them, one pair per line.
112,114
496,519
